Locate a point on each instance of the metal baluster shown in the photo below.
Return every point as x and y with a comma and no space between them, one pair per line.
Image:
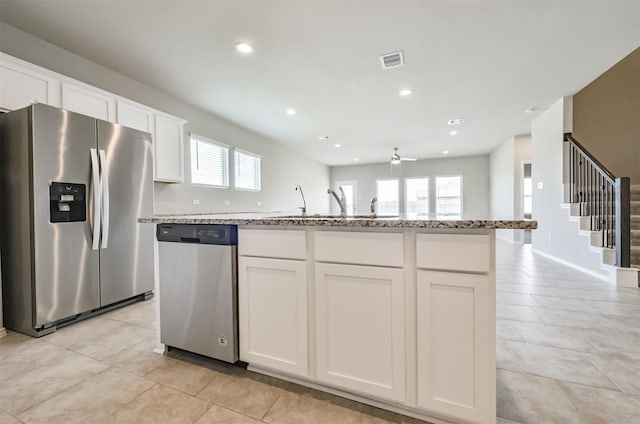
571,178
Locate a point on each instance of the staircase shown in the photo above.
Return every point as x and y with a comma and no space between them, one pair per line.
608,212
635,226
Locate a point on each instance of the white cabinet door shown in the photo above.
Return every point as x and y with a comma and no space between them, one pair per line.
456,333
168,145
272,298
89,101
22,85
136,116
360,329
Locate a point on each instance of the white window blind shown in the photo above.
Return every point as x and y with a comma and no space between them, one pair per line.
449,197
209,162
387,191
247,170
417,196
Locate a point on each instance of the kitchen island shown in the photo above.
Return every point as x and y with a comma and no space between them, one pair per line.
397,313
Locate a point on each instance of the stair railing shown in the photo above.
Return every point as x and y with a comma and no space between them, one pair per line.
601,196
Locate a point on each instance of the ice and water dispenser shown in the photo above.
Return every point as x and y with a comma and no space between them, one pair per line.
67,202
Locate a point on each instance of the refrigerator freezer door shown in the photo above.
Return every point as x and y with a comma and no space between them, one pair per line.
66,268
126,264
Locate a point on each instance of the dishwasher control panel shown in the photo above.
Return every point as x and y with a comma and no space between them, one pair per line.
226,235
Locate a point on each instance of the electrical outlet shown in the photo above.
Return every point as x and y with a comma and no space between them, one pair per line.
227,202
540,185
196,201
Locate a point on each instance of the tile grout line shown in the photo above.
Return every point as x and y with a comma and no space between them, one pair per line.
605,374
134,398
270,407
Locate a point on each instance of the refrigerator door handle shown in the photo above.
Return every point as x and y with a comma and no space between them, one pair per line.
95,169
105,199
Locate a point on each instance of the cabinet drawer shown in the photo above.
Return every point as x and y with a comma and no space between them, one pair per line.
455,252
381,249
286,244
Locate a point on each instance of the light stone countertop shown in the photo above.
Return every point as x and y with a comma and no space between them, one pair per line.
285,219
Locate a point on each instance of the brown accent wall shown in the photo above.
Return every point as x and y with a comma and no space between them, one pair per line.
606,118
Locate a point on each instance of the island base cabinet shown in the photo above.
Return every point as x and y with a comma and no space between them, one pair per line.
360,330
455,343
272,298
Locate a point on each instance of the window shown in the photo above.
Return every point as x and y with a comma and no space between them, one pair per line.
416,196
527,192
247,170
387,193
209,162
350,189
449,197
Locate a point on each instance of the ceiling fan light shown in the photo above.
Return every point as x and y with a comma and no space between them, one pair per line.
395,161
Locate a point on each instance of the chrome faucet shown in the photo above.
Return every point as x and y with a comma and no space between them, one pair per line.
374,203
342,200
304,202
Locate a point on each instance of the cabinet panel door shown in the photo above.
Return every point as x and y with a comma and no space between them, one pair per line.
87,101
456,331
273,314
360,329
135,116
21,86
168,148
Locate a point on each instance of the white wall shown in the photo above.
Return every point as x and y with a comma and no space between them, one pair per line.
506,163
474,171
502,182
556,236
282,169
522,155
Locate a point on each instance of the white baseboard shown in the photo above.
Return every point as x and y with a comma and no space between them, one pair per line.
3,332
603,277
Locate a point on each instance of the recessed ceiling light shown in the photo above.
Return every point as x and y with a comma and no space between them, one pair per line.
356,159
445,152
337,145
290,112
323,137
454,132
456,121
404,92
244,48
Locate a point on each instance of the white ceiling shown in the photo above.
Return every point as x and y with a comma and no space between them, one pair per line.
486,61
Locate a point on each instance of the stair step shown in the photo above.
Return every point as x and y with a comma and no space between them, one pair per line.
635,207
635,255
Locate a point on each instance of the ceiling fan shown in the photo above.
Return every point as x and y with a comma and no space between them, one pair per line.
396,159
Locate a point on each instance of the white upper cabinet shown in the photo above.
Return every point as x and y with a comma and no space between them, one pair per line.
134,115
22,84
89,101
169,149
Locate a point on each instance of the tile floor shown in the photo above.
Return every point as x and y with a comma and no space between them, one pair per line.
568,351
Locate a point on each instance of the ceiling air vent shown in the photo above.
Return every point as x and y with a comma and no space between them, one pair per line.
392,60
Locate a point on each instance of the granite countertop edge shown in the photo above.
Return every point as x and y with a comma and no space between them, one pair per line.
358,222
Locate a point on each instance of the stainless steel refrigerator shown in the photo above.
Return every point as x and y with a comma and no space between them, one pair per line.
72,188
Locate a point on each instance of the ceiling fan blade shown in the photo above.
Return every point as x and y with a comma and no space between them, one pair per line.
409,159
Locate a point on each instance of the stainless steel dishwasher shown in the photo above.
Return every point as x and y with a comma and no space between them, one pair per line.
199,289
